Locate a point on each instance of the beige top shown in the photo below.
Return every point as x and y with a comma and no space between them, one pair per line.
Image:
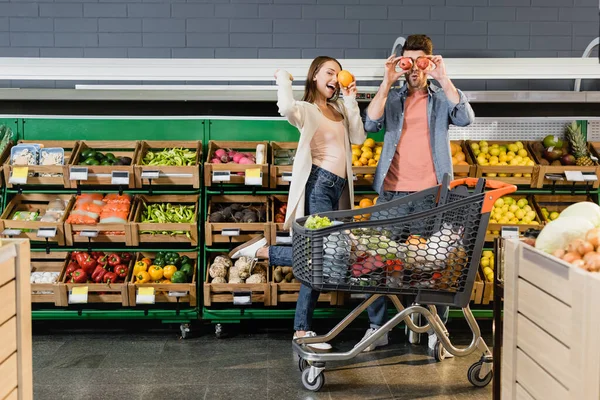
328,147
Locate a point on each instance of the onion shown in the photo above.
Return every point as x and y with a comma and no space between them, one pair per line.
579,264
590,255
559,253
585,247
593,236
593,264
571,256
574,245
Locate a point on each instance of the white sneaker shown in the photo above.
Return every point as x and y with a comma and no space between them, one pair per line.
316,346
249,248
432,340
382,341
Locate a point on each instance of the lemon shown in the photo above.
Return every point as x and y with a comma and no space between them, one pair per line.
527,175
369,142
495,151
378,150
485,262
530,215
377,157
520,214
517,175
502,175
487,254
474,146
356,151
527,208
522,153
499,202
513,148
519,145
483,143
509,215
491,174
354,158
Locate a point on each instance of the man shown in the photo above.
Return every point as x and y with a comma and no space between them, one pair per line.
416,150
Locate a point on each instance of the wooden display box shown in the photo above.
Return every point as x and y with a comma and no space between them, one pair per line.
364,176
138,228
100,175
277,171
53,262
522,227
559,170
188,175
214,230
237,171
69,146
98,292
464,171
5,158
161,290
287,292
477,292
510,170
277,227
224,292
556,202
35,202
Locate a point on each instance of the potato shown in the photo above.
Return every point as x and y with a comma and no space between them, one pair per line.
289,277
219,279
277,275
286,270
256,278
218,271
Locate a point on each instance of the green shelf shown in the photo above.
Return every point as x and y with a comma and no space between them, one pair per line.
185,315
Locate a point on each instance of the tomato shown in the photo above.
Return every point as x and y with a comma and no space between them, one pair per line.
423,62
405,63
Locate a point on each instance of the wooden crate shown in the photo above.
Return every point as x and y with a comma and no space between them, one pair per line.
188,175
214,230
277,171
137,227
237,171
286,292
223,292
99,292
70,148
277,201
477,292
101,174
34,202
53,262
556,202
161,290
489,237
463,171
559,170
4,156
510,170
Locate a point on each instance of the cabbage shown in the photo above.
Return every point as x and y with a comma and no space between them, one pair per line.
583,209
560,232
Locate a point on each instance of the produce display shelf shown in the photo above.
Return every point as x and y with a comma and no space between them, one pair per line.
181,316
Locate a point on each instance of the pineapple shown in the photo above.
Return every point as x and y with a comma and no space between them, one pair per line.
578,145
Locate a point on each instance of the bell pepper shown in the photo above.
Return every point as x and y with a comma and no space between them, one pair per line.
72,267
156,272
110,277
126,257
97,254
159,261
147,261
165,281
121,271
142,277
172,258
188,269
102,261
74,255
139,267
79,276
98,274
86,262
185,260
179,277
114,259
169,270
160,254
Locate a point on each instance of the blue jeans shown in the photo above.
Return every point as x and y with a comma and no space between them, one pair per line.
378,309
323,192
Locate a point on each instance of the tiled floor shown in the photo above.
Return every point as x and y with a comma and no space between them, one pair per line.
143,362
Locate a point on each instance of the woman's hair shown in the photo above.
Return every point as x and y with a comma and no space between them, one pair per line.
418,42
310,88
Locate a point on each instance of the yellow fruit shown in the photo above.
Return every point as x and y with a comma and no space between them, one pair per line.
369,142
367,154
502,175
372,163
356,146
522,153
368,176
491,174
364,203
513,147
364,149
519,145
474,146
485,262
377,157
378,150
527,175
375,200
356,151
487,270
357,164
495,151
363,161
517,175
354,158
483,143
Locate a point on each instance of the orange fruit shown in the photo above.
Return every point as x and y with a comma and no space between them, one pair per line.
372,163
460,156
453,149
369,143
357,164
363,161
345,78
462,163
365,203
454,160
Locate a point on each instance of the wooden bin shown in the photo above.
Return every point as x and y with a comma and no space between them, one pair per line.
188,175
224,292
544,170
101,174
510,170
277,171
489,237
284,237
99,292
477,292
53,262
33,202
161,290
364,175
464,171
287,292
70,148
237,171
214,230
4,158
556,202
138,228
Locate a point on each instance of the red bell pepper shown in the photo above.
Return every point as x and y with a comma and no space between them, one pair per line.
102,261
126,257
79,276
97,254
74,255
72,267
86,262
114,259
98,274
110,277
121,271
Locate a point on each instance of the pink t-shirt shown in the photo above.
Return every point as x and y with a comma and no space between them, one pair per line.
412,167
328,147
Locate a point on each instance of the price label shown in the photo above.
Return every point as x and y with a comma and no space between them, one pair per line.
11,232
46,232
253,177
78,295
145,295
283,238
221,176
150,174
19,175
590,177
354,177
178,294
242,297
230,232
119,178
510,232
78,174
286,177
574,176
90,234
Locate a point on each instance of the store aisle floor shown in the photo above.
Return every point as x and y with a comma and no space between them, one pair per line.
139,363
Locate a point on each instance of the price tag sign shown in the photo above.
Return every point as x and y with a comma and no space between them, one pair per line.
590,177
46,232
119,178
510,232
242,297
145,295
11,232
286,177
90,234
221,176
19,175
283,238
78,174
150,174
574,176
253,177
354,177
178,294
230,232
78,295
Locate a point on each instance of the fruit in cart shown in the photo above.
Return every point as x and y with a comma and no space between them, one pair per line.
316,222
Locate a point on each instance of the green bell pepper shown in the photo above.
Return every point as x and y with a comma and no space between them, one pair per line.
179,277
159,261
188,269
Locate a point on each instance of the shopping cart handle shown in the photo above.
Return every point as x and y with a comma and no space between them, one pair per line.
500,189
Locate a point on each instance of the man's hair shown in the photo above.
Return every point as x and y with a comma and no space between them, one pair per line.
418,42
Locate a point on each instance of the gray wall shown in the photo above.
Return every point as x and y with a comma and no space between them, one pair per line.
297,29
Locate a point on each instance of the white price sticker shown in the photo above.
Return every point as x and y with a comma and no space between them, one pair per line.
78,295
178,294
46,232
11,232
78,174
510,232
145,295
221,176
91,234
286,176
242,298
574,176
230,232
150,175
119,178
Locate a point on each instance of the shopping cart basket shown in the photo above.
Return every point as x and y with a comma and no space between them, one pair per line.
427,245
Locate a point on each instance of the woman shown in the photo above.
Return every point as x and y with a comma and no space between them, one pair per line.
322,165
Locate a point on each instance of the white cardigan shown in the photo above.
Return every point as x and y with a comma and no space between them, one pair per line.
307,117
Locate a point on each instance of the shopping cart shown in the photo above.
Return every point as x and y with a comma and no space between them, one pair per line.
427,245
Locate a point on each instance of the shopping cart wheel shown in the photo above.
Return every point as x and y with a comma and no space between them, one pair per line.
439,352
473,375
315,385
302,364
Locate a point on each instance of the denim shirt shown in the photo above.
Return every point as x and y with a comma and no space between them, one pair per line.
440,114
